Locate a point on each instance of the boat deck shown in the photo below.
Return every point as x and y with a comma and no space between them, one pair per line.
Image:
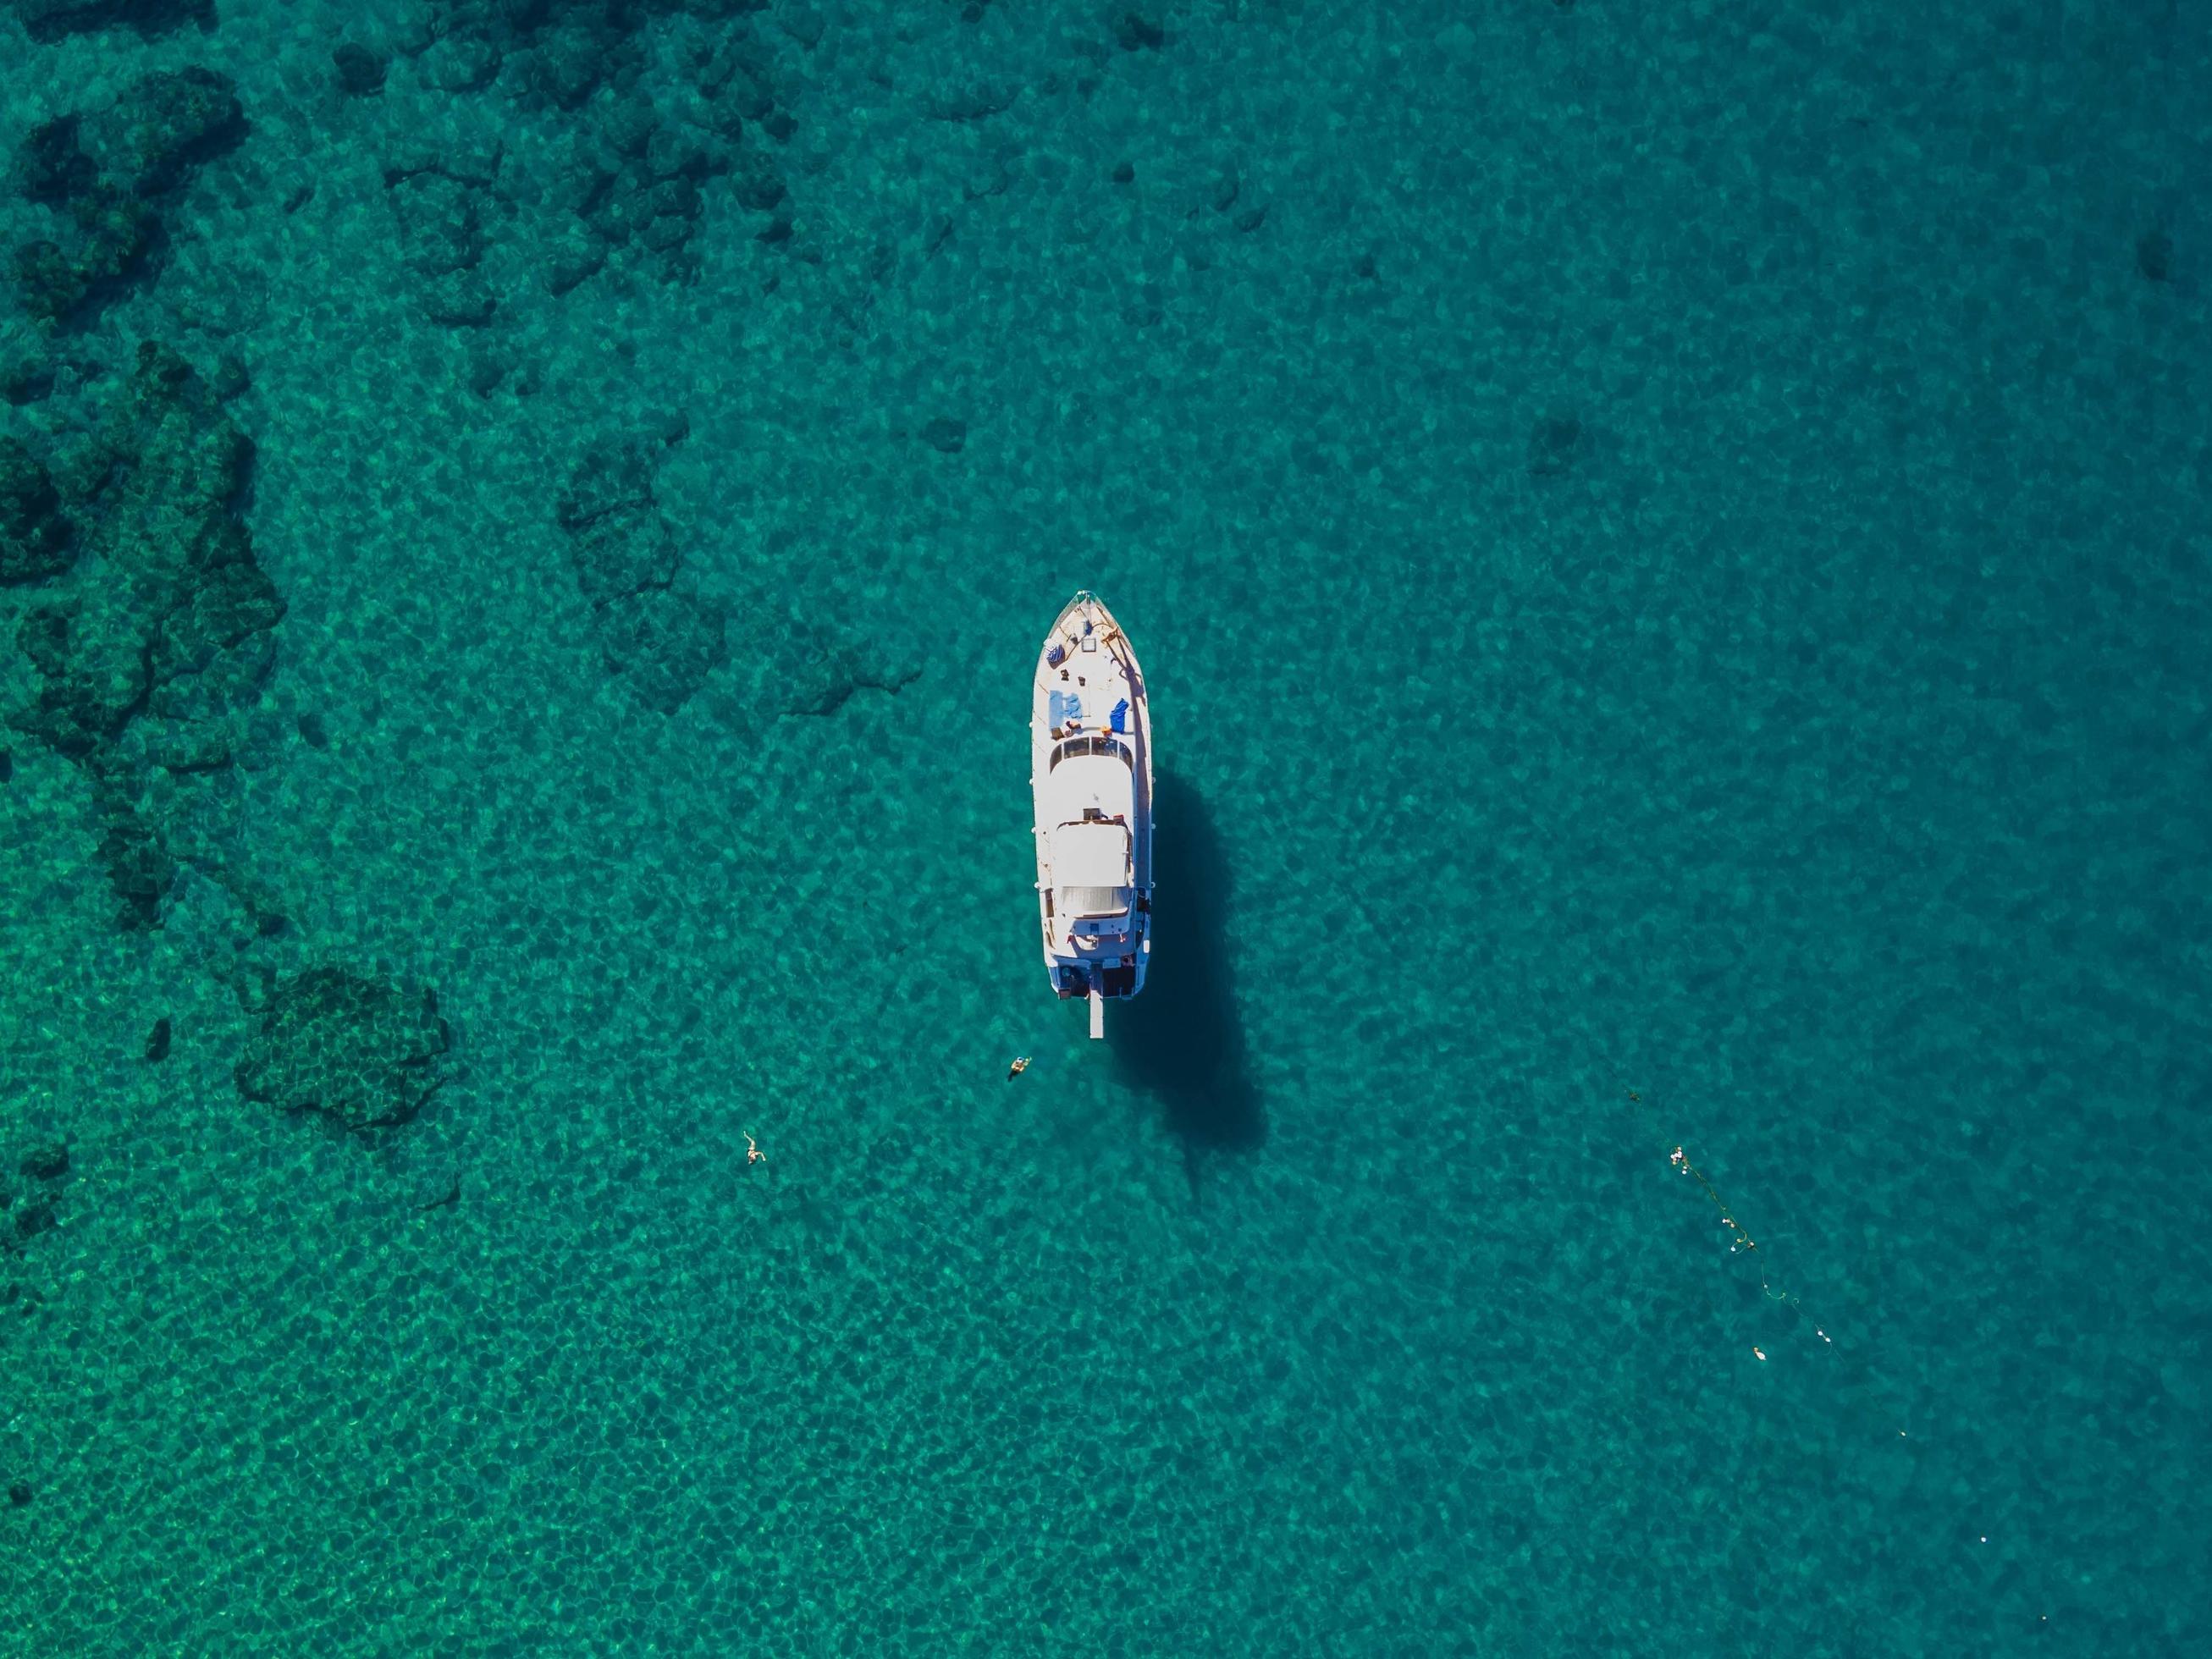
1088,709
1107,689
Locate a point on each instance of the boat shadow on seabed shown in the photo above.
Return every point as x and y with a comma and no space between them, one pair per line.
1182,1039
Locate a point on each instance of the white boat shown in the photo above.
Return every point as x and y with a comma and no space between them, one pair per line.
1091,773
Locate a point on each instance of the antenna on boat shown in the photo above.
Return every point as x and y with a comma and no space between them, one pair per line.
1097,1013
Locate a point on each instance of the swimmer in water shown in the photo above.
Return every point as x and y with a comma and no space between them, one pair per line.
1021,1064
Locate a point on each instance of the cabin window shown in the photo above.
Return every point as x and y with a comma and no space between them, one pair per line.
1092,745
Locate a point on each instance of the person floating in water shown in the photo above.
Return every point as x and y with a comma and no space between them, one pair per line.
1021,1064
753,1153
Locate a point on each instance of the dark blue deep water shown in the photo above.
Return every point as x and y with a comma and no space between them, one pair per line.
1670,546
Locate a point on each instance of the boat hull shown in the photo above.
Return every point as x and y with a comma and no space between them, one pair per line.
1091,778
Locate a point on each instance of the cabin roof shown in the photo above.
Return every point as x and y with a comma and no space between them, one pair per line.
1090,854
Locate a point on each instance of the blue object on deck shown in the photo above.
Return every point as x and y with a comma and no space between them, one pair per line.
1055,702
1119,719
1056,656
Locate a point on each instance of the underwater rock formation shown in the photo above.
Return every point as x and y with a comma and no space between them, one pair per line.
623,553
106,181
55,20
1554,442
568,61
2154,255
664,642
26,371
164,626
819,672
563,52
439,205
140,870
614,477
945,435
92,681
177,592
635,180
1135,31
641,189
662,639
26,1214
35,535
360,71
360,1050
618,542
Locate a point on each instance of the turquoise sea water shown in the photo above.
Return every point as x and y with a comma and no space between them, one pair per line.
1669,544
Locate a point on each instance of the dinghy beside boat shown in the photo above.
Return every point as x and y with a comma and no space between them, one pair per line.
1091,778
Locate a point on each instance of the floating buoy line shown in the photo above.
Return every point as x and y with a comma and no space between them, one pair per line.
1741,1241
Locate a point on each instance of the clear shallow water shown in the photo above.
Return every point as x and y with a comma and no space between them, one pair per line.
1671,556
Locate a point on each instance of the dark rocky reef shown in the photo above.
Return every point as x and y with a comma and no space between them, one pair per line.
360,1050
1555,443
26,368
360,71
33,1208
1135,31
563,52
573,55
172,586
663,642
36,537
441,202
637,185
804,654
105,182
54,20
662,639
618,541
817,672
142,646
2154,255
47,1162
140,868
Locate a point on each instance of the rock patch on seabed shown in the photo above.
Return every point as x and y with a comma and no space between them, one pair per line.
440,206
664,642
47,21
35,535
30,1206
105,182
163,614
133,658
632,188
663,639
360,1050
